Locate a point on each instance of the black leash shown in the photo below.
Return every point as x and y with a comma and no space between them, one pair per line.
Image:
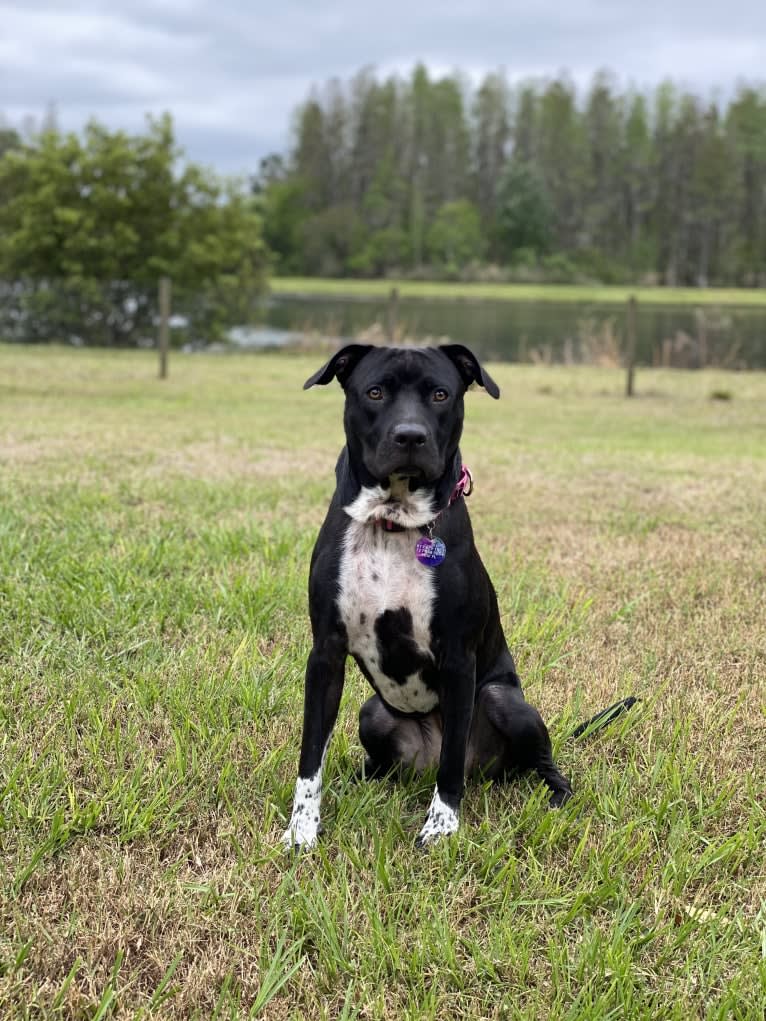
604,718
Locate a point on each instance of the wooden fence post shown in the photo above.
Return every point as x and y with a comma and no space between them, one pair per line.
630,344
391,315
702,336
164,330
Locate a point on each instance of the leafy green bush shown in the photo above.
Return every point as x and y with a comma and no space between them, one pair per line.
89,225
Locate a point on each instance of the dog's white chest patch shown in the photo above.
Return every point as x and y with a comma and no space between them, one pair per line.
386,601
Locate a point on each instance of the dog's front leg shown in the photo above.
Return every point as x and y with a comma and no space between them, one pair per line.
324,686
458,685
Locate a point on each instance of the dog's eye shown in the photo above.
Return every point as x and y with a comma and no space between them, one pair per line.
375,393
440,394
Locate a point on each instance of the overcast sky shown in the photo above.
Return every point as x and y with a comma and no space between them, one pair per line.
231,73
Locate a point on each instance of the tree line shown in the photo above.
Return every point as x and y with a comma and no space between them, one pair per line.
423,176
433,176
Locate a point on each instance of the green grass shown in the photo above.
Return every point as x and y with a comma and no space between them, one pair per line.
154,541
575,293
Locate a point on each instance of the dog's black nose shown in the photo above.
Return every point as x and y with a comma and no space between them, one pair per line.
409,434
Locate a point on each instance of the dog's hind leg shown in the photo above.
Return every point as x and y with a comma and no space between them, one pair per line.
509,736
393,741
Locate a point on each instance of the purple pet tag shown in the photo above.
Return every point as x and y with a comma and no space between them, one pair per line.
430,552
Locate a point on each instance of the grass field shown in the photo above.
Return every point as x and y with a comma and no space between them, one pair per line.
154,541
582,293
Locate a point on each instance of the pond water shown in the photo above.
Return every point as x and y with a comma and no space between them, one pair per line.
680,335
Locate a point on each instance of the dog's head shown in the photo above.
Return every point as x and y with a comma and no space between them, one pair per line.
404,407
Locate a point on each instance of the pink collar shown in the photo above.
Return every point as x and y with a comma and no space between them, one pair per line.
463,486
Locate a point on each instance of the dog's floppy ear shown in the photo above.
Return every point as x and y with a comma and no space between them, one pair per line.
467,364
339,366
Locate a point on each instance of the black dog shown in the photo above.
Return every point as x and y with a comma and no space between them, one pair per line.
396,581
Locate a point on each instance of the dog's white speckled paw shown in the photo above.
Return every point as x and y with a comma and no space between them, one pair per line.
298,837
440,822
304,827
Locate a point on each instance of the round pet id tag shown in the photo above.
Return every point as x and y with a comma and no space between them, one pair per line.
431,551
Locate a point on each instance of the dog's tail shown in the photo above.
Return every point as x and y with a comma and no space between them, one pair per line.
604,718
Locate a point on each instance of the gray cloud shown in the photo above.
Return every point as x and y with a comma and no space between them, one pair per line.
232,72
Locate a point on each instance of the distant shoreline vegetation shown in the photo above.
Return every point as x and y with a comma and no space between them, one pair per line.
346,288
538,182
